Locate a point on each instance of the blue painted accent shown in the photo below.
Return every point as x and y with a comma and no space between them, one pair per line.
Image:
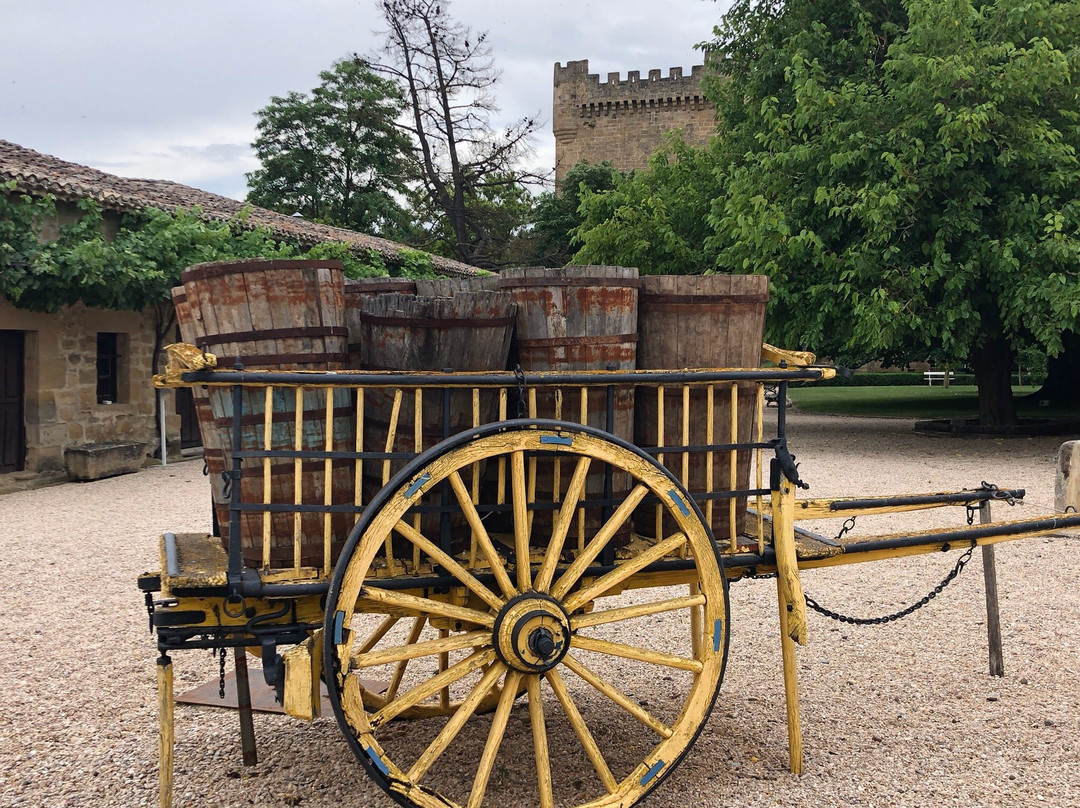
717,634
651,773
559,439
339,627
679,501
380,764
418,483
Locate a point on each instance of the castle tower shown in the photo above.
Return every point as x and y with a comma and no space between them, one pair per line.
624,121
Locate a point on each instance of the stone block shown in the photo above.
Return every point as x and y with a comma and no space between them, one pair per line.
95,461
1067,480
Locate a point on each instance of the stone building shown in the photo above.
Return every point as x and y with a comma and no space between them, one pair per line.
624,122
82,375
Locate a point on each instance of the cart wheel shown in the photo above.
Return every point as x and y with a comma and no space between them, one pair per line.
620,663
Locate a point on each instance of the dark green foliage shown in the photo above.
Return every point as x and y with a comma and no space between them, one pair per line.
655,220
335,155
905,172
911,185
556,215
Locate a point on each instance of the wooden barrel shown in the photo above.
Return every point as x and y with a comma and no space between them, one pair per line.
356,289
693,321
211,438
468,331
570,319
279,315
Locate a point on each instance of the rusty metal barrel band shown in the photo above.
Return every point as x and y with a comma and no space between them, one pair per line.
283,359
441,323
302,332
220,268
599,281
554,342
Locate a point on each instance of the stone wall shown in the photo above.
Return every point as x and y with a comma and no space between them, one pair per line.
61,406
623,122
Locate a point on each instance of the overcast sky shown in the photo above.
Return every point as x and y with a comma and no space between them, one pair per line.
168,90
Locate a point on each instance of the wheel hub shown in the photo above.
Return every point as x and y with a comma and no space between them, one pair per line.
532,633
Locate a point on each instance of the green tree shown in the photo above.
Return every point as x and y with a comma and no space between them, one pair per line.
462,162
505,210
335,155
556,215
655,220
911,183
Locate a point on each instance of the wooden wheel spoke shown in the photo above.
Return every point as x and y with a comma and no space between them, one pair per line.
618,697
422,691
494,739
426,606
581,729
562,524
412,650
540,744
640,654
456,722
373,639
521,521
494,560
399,668
600,618
625,569
599,541
450,563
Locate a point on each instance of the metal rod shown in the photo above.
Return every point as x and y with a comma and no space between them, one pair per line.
960,497
968,534
243,706
600,378
236,559
993,615
172,561
161,420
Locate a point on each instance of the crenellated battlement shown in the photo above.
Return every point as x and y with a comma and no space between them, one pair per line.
675,84
624,120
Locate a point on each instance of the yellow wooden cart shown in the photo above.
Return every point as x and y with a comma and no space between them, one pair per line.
527,555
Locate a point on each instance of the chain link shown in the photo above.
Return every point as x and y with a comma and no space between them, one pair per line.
519,376
221,673
848,525
889,618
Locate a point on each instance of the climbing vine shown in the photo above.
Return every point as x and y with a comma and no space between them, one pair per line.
136,267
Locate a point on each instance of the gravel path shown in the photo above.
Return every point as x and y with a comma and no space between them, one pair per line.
900,715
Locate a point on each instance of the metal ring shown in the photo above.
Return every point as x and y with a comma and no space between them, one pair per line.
232,599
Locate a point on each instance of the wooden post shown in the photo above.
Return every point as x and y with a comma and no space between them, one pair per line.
792,606
243,707
993,617
791,690
165,731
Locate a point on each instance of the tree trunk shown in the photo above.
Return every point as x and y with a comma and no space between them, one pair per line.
1062,383
992,361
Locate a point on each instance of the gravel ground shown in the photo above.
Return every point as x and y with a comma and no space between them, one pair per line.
900,715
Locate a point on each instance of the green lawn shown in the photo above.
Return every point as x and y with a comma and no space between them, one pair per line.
916,401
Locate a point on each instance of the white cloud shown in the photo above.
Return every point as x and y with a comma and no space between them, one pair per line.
169,90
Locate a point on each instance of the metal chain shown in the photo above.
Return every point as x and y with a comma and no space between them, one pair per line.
889,618
221,674
848,525
519,376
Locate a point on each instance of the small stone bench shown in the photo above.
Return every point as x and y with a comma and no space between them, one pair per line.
95,461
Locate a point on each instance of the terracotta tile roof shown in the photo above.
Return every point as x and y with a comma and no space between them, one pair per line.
37,173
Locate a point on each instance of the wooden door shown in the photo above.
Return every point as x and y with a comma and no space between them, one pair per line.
12,430
189,418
